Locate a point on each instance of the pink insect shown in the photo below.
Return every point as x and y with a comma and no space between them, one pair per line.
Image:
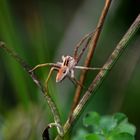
69,63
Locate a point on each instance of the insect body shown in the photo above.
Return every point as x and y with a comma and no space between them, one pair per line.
68,64
66,67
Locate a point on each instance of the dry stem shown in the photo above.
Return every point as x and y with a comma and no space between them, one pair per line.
45,92
92,46
102,74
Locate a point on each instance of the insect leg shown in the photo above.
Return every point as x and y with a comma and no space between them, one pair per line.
72,73
44,65
49,75
80,43
88,68
82,51
75,82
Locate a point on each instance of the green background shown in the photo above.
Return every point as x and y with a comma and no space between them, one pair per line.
42,31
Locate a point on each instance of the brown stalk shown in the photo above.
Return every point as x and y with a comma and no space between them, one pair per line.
97,81
92,46
38,83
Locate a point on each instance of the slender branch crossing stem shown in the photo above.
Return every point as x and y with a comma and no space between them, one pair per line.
92,46
27,68
102,74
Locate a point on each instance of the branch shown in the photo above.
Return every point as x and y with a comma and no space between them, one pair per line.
92,46
102,74
45,92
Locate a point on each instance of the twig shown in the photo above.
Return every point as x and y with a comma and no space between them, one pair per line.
92,46
50,101
103,73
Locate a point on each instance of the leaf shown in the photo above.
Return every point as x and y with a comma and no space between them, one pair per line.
80,135
94,137
107,123
114,127
91,118
121,136
119,117
126,128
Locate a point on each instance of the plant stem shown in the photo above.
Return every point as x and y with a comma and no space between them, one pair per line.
102,74
45,92
92,46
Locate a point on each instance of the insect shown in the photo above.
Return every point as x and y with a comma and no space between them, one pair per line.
69,63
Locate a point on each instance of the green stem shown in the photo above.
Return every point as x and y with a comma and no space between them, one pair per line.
50,101
102,74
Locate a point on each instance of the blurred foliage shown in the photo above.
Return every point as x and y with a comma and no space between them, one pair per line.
24,125
115,127
43,30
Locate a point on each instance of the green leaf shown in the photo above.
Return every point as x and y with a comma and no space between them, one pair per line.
126,128
91,118
107,123
80,135
121,136
94,137
119,117
114,127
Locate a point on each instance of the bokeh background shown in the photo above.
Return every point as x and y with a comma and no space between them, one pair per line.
44,30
